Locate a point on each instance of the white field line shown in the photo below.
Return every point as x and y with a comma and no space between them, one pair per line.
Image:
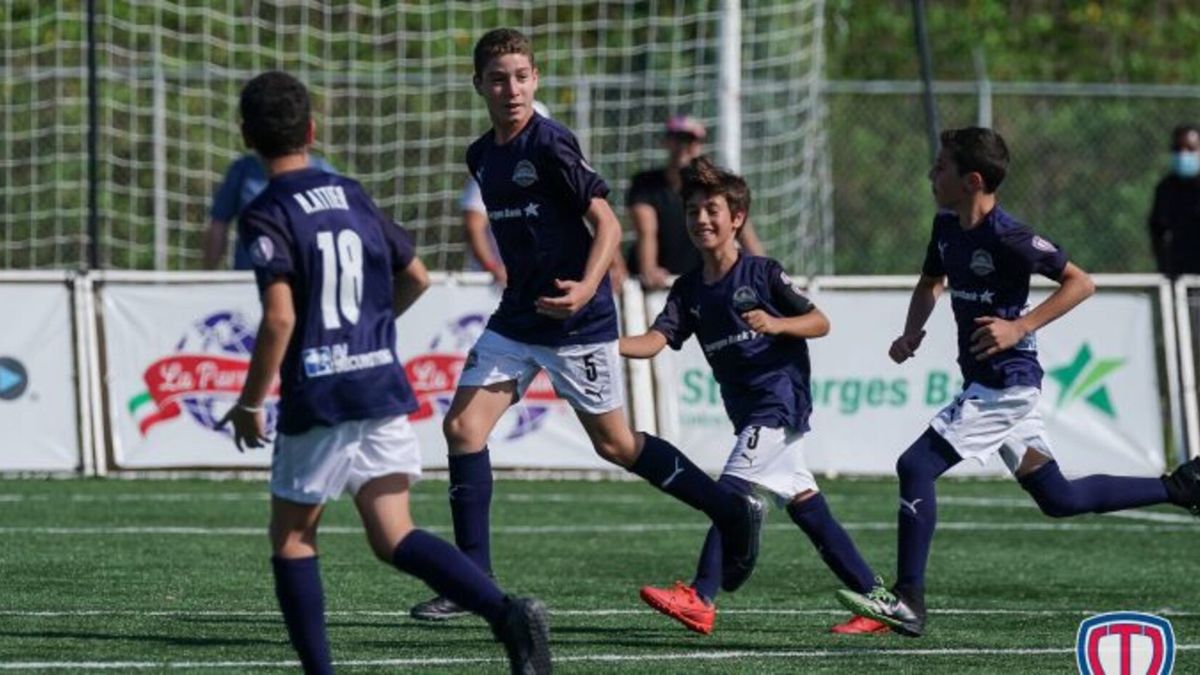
528,498
630,528
387,613
572,658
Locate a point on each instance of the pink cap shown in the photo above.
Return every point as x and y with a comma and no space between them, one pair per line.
686,124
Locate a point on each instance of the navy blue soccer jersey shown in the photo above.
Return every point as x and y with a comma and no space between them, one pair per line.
764,379
324,235
537,188
988,269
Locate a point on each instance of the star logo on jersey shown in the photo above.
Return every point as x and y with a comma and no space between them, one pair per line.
986,297
525,174
981,263
1084,378
531,209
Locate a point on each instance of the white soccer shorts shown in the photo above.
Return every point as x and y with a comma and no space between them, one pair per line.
586,376
982,421
322,463
772,458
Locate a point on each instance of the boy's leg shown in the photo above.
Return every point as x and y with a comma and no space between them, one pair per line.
1039,475
694,605
293,533
588,377
520,623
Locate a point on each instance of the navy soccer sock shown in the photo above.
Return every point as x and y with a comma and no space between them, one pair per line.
298,589
927,458
665,467
1059,497
450,573
708,569
470,506
832,542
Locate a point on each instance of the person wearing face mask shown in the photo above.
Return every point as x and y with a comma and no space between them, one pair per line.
1175,217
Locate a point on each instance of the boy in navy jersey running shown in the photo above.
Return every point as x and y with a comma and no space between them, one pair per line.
557,236
752,323
334,273
988,257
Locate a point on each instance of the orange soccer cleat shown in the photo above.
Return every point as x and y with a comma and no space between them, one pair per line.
859,625
681,602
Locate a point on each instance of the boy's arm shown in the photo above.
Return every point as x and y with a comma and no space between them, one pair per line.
274,333
408,285
995,335
811,324
644,346
576,294
924,298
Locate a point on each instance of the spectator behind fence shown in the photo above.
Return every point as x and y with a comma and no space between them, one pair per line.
1175,216
244,179
662,247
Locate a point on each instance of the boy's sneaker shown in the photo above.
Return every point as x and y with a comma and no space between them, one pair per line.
440,608
739,544
525,631
860,625
886,607
682,603
1183,485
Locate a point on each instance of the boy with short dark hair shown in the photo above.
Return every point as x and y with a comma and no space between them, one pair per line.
988,257
334,273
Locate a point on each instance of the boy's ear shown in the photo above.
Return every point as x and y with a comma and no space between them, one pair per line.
975,181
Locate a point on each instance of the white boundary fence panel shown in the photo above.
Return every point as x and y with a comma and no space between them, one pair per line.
1187,318
118,345
41,413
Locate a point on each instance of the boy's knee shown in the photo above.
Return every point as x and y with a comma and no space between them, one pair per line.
617,450
460,433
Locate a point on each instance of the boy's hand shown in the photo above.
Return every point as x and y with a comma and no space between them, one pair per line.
575,295
761,322
993,336
249,426
905,347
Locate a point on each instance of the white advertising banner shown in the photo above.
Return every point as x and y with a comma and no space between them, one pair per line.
38,405
1100,394
177,356
435,334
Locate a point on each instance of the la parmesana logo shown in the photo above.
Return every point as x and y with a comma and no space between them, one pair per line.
203,377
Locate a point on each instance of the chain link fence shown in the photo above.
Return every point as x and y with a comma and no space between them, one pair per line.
1085,161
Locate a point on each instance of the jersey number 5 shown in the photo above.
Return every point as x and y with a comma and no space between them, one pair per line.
346,257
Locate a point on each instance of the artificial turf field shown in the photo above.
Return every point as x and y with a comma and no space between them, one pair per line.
152,575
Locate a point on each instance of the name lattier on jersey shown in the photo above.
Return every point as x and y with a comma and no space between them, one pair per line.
319,199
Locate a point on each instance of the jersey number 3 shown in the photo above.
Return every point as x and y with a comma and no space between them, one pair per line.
345,257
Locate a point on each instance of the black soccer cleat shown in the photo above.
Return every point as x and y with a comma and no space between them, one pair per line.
524,629
888,608
739,544
440,608
1183,486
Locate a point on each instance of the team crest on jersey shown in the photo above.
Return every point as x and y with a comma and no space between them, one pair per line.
744,299
1043,244
525,174
1125,642
261,251
981,263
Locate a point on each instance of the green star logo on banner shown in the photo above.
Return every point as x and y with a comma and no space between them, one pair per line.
1084,377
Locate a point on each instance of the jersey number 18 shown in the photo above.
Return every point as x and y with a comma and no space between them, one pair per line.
345,256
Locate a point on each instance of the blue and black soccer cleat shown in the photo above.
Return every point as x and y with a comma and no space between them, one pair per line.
739,544
524,629
1183,485
440,608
